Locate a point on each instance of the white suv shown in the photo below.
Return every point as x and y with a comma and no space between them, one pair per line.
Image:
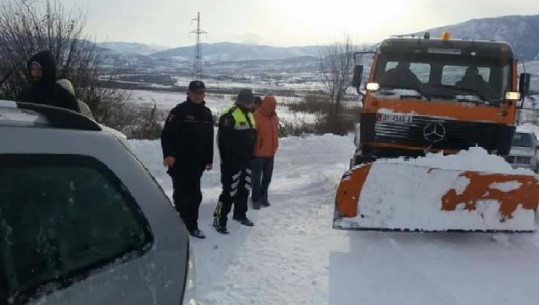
524,151
81,220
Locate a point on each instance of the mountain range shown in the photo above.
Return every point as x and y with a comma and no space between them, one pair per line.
522,32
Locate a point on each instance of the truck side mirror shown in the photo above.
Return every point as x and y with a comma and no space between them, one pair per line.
524,84
358,75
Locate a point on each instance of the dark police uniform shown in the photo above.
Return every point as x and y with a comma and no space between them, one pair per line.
188,137
236,140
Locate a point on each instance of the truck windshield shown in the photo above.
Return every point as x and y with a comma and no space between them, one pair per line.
522,140
446,76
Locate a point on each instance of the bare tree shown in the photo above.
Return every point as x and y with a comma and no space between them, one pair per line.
30,26
336,65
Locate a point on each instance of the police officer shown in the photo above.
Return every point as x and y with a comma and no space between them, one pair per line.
236,138
187,143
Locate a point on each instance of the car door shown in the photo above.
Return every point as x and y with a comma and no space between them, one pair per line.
78,226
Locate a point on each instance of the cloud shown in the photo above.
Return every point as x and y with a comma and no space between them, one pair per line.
248,38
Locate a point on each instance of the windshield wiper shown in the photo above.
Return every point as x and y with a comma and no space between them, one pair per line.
468,90
418,90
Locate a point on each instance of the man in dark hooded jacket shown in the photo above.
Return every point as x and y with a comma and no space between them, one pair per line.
44,89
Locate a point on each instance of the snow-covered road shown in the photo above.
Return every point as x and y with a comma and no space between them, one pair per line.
292,256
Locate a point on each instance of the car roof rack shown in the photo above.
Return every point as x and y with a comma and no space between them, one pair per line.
55,117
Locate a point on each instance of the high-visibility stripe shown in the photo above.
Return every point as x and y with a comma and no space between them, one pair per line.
241,121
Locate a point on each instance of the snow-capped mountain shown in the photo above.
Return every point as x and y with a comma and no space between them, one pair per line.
522,32
268,62
228,51
130,48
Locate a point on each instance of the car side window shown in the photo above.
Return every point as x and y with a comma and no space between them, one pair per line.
62,217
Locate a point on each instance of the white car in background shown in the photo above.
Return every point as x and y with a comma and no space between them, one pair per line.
523,152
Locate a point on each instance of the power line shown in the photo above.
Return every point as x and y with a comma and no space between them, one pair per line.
197,62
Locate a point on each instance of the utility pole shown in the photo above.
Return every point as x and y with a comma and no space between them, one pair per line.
197,63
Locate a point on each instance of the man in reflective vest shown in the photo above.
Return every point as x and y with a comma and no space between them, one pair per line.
236,137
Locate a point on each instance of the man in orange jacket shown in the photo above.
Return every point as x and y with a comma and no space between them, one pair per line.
267,142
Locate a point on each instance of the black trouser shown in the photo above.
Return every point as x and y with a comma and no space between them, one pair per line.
261,179
236,181
187,197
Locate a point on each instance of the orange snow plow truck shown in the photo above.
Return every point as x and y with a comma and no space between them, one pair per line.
443,96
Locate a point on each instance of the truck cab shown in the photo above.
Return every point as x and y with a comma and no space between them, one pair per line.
429,95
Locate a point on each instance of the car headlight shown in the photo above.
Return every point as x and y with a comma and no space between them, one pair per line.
524,160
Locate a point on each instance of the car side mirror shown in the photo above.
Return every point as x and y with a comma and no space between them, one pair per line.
524,84
357,77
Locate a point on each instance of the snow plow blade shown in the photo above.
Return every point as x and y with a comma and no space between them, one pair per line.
403,197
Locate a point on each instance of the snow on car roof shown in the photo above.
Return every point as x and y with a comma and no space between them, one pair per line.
11,115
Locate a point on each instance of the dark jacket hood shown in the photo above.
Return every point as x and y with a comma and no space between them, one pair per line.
47,62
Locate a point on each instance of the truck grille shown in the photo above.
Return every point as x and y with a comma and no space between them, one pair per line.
449,134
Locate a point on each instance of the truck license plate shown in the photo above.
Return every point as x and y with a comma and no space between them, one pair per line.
395,118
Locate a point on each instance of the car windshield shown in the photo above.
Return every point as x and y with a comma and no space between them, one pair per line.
522,140
446,76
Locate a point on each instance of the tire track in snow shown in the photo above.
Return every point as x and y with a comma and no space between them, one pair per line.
291,240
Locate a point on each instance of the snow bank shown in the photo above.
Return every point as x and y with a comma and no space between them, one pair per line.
400,196
473,159
409,194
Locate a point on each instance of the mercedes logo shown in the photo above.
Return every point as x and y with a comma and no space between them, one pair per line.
434,132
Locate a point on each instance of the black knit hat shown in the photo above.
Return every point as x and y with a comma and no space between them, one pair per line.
245,97
196,85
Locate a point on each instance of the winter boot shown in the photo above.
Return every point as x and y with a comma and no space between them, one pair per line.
264,202
197,233
256,204
245,221
219,228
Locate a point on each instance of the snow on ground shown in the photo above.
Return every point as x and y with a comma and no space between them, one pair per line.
475,158
284,81
217,103
292,256
168,100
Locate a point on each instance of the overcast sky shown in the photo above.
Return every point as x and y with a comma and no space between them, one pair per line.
280,22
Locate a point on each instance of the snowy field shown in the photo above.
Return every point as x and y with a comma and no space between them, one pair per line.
216,102
282,81
292,256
